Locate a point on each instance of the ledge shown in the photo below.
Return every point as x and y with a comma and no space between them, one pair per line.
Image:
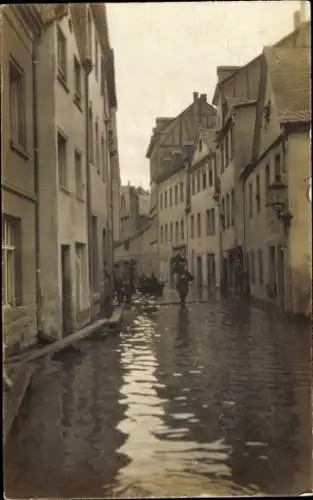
65,190
77,103
63,82
20,150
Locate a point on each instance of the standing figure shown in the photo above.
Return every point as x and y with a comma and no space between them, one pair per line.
182,284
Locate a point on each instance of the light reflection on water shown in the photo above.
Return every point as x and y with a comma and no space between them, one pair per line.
179,403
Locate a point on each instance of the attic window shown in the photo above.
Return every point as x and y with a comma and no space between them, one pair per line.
267,112
200,144
70,25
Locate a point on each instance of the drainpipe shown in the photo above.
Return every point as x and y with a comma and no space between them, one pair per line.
88,68
244,233
36,181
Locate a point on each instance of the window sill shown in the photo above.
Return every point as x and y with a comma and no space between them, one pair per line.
65,190
77,102
19,150
63,82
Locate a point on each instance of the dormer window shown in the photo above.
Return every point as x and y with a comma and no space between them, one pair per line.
267,113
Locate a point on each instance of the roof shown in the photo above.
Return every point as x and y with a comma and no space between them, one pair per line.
175,165
289,71
283,40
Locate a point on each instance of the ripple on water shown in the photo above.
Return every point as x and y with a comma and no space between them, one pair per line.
209,401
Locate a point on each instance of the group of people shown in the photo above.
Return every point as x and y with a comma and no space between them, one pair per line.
123,284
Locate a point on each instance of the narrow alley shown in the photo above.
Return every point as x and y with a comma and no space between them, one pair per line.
213,399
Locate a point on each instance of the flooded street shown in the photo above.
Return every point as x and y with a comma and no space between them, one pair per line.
211,400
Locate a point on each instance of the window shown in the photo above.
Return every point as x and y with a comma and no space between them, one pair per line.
208,222
104,160
192,226
176,194
171,197
80,251
181,194
226,151
61,55
222,158
62,160
166,234
227,221
193,182
17,105
250,200
96,58
176,232
171,232
162,234
95,270
11,261
165,199
260,260
267,181
277,165
77,81
258,194
223,212
78,175
97,146
213,220
252,267
199,225
90,133
231,142
232,207
161,201
210,176
204,186
198,180
182,232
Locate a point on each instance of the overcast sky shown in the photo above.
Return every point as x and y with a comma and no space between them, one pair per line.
166,51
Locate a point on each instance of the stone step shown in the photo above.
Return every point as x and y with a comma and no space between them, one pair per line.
70,339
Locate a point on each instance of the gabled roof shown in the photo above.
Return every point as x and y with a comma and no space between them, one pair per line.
289,71
280,42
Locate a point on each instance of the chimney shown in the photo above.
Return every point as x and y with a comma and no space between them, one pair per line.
195,96
296,20
203,97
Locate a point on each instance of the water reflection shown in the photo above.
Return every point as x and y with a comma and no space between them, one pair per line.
210,399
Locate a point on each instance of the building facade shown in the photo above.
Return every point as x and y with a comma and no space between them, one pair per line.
202,216
278,244
165,152
19,188
59,177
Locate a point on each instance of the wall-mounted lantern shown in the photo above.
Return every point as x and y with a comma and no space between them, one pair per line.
277,199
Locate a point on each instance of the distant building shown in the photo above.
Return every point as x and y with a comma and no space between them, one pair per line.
168,164
203,224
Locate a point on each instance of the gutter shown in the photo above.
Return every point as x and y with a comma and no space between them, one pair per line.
36,182
88,68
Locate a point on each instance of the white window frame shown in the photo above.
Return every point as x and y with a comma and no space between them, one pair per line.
17,104
8,262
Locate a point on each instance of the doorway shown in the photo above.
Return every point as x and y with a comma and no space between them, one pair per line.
281,277
199,272
66,290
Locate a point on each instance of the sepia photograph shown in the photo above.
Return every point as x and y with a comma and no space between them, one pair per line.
156,195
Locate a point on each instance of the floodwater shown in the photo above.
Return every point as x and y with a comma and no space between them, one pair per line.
210,400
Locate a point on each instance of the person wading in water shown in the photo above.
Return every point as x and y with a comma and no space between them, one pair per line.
182,284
